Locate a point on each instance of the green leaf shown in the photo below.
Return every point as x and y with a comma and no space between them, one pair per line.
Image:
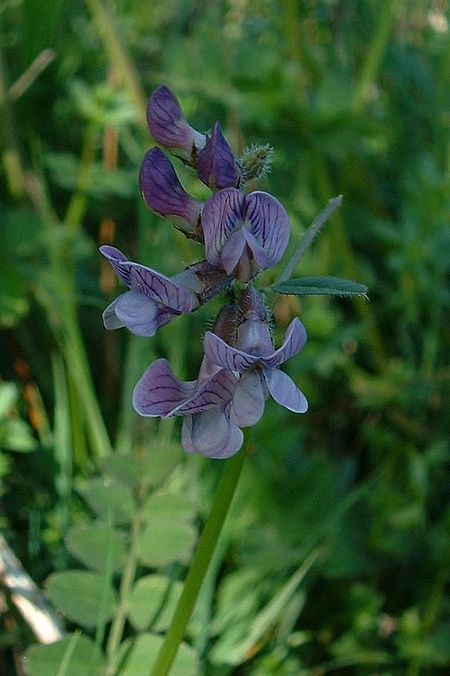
173,508
163,542
144,650
153,467
78,594
74,655
16,436
8,397
107,497
91,545
321,286
152,602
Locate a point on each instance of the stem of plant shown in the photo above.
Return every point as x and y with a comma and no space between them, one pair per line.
200,564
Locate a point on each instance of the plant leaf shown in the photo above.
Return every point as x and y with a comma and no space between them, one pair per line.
107,497
321,286
78,594
152,602
163,542
75,651
89,544
144,649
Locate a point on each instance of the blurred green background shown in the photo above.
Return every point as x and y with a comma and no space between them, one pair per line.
336,557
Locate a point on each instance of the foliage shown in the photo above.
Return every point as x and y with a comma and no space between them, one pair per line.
335,556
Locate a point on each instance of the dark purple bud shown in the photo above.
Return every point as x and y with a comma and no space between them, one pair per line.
216,165
163,193
252,304
170,128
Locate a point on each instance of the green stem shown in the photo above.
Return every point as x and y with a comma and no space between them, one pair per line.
129,573
200,564
374,55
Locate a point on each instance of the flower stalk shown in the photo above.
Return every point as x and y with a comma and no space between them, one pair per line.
200,564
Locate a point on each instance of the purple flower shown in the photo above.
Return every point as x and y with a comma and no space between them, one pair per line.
163,193
244,233
207,428
170,128
152,300
255,359
216,165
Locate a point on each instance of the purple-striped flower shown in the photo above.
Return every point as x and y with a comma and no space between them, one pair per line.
170,128
255,360
152,300
244,233
203,403
163,193
217,166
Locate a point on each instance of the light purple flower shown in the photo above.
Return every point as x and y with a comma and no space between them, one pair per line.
170,128
163,193
217,166
244,233
152,300
255,359
207,428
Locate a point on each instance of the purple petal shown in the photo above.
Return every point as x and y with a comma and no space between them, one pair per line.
168,125
221,215
216,165
163,193
217,351
159,392
233,251
257,250
110,319
138,313
247,406
254,338
161,289
211,434
284,391
293,341
116,257
269,224
216,391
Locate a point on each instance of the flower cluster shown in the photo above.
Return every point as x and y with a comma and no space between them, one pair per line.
242,233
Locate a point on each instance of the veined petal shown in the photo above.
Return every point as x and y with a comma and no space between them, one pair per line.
284,390
293,341
116,257
216,391
222,354
160,288
232,251
247,405
216,165
138,313
168,125
254,338
163,193
258,251
269,224
211,434
159,391
221,216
